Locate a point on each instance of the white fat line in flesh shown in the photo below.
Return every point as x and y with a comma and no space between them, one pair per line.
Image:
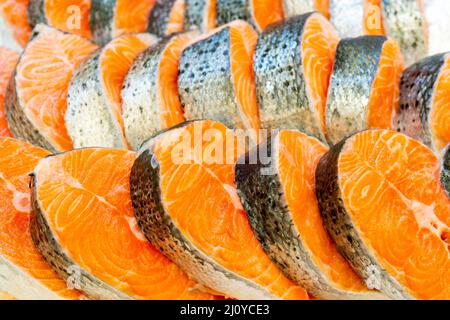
132,222
21,201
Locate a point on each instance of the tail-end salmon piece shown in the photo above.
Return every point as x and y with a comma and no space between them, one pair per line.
364,87
94,105
150,92
382,202
208,235
85,228
293,63
8,62
216,79
66,15
260,13
36,100
15,30
200,14
281,205
167,17
353,18
425,102
445,173
405,21
112,18
24,273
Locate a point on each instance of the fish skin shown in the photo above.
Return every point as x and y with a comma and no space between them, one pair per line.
416,94
445,174
159,17
85,97
36,13
205,75
341,227
56,256
404,22
229,10
19,124
267,211
354,71
162,232
347,17
102,20
284,102
139,96
296,7
195,14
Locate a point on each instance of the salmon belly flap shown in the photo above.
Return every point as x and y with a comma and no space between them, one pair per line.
24,273
80,199
201,155
375,187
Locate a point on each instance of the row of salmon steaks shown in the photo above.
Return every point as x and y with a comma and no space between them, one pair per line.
366,218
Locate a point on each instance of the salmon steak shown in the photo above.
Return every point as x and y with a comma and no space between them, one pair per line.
405,21
293,63
353,18
260,13
284,214
364,86
425,102
150,92
81,198
200,14
36,99
112,18
23,272
382,203
66,15
167,17
218,69
8,61
94,104
15,30
204,235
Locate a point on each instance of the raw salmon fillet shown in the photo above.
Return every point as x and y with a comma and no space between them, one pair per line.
85,227
8,61
282,209
24,273
382,202
36,101
186,203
